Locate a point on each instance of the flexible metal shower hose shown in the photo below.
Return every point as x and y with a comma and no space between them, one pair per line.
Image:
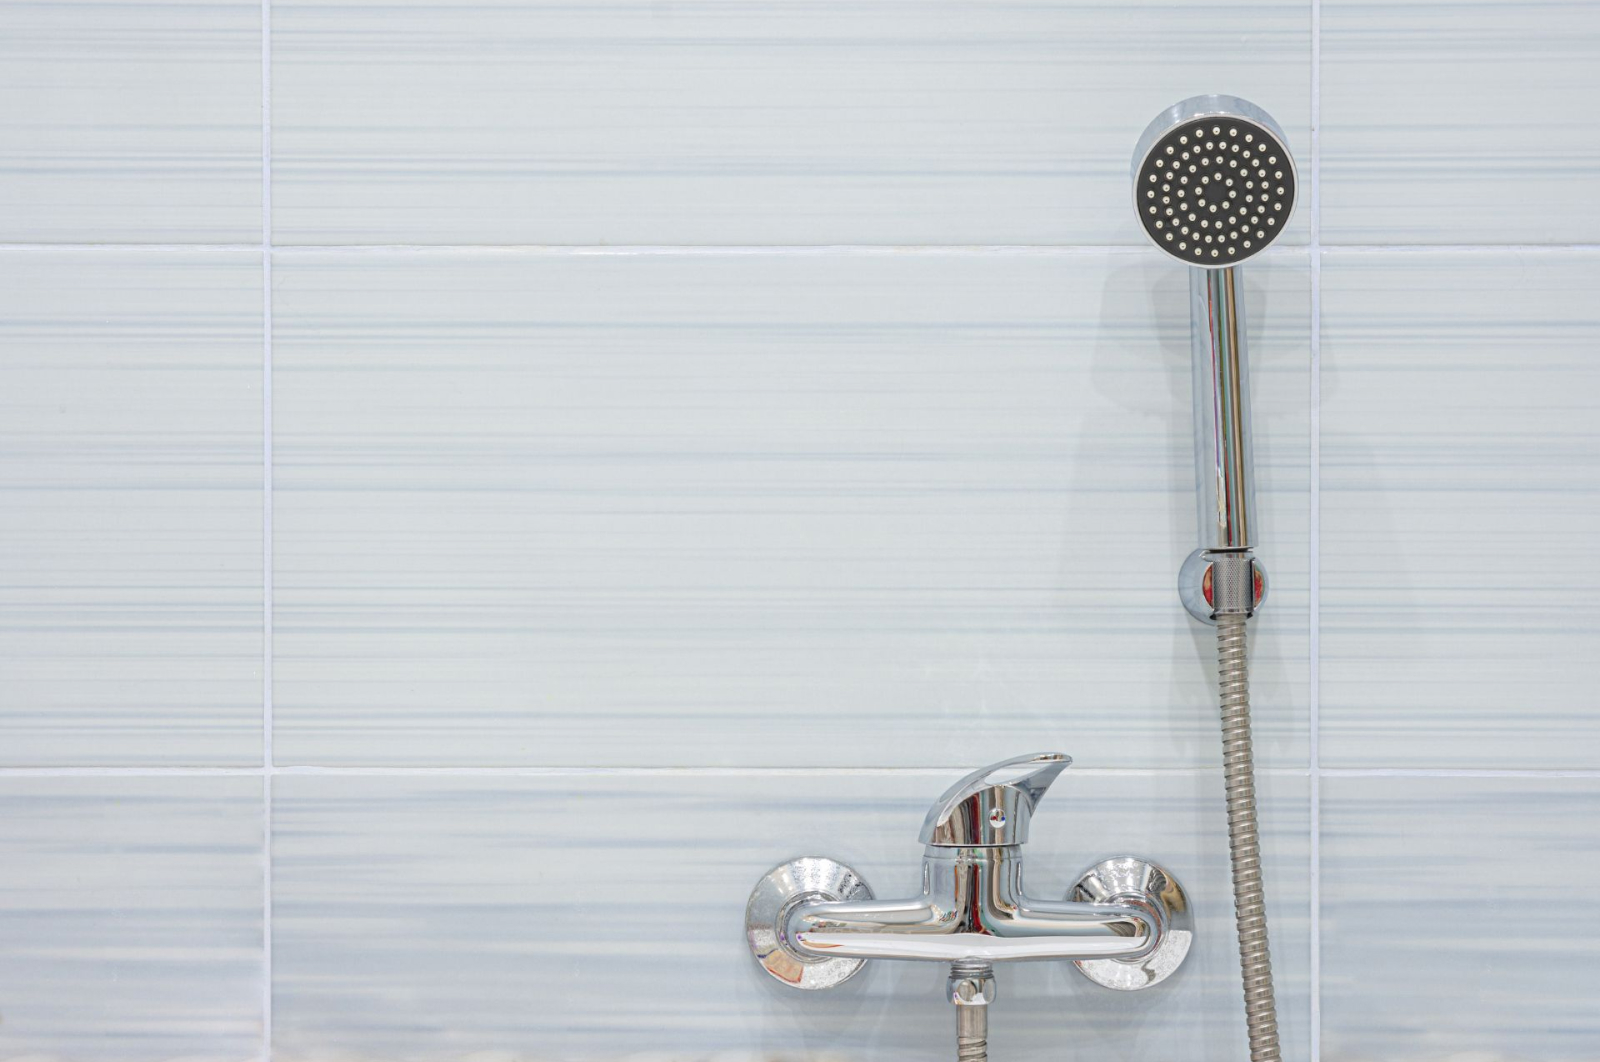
1249,900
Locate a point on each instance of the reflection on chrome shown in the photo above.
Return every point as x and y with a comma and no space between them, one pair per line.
973,907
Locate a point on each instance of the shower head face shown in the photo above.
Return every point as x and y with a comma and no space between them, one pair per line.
1214,183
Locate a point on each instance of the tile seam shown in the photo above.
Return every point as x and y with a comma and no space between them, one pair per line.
1314,560
742,771
769,250
267,760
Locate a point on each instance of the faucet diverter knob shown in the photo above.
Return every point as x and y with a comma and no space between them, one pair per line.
992,805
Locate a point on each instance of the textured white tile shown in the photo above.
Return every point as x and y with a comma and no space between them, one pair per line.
130,508
1445,122
760,509
1461,461
589,917
130,918
130,121
735,122
1453,920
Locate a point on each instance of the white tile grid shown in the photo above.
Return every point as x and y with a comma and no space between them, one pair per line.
268,769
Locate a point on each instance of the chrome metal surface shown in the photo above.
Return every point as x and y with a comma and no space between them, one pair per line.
972,911
973,906
972,1034
992,806
1235,584
1244,842
972,983
1214,182
808,879
1136,881
1224,467
1213,582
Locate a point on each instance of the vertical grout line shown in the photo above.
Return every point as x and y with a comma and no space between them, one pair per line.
1314,695
266,531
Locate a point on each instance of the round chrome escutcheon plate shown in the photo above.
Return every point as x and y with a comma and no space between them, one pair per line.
809,879
1126,878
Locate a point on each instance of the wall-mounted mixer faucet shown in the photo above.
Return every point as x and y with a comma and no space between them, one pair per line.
813,922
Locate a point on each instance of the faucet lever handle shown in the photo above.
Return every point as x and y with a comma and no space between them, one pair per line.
992,805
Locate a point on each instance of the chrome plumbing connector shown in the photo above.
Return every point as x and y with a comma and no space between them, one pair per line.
1215,583
972,983
813,922
972,989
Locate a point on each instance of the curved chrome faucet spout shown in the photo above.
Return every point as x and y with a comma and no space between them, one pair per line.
993,805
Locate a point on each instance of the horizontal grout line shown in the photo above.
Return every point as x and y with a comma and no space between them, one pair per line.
1458,248
1456,772
771,772
774,250
614,251
135,248
738,772
854,250
132,772
568,772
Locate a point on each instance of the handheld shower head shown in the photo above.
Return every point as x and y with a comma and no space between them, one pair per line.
1213,181
1214,184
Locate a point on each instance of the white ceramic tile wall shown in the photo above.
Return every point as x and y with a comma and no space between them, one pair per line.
1460,466
130,507
130,918
1459,123
1443,960
130,121
613,509
745,121
596,916
878,414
